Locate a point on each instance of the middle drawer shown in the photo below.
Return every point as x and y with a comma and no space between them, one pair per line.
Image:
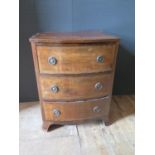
75,87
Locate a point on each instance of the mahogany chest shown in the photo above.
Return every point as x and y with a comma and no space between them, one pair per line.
74,73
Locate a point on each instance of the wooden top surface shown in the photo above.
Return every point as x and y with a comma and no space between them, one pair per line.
72,37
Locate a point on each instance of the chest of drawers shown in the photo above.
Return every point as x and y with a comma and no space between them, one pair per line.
74,73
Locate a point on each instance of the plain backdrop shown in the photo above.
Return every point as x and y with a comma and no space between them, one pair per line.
116,17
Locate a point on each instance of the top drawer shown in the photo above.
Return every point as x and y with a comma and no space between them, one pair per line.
74,59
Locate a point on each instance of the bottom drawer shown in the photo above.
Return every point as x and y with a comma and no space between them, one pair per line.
76,111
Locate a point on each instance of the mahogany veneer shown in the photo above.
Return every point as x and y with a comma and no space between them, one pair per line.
74,73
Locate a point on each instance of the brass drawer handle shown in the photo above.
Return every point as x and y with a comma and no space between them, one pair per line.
98,86
100,59
52,60
55,89
97,109
56,112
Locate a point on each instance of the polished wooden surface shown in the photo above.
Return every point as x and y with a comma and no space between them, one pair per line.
72,37
76,59
89,138
75,87
76,71
78,110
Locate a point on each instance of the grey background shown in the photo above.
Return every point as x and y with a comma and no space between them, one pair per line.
116,17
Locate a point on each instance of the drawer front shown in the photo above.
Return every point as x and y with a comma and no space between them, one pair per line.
75,87
79,110
75,59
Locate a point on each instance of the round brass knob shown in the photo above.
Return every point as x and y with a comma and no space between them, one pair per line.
97,109
52,60
100,59
98,86
54,89
56,112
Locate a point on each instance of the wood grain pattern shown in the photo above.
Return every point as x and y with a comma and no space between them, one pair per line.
75,73
76,59
75,87
36,67
72,37
76,111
